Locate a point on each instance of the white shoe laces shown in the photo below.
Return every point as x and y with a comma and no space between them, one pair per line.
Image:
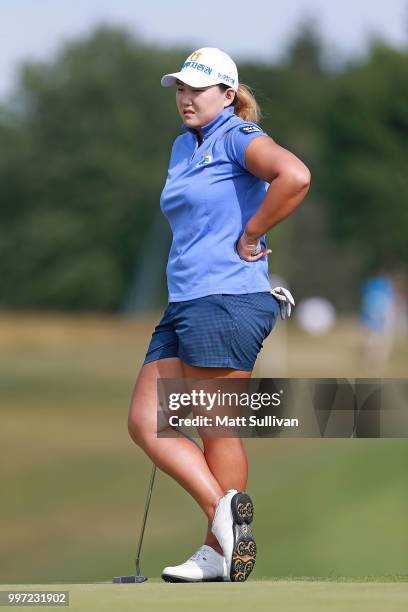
199,554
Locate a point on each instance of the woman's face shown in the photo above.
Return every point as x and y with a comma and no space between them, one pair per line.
200,105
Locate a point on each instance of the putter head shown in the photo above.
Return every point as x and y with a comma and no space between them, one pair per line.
129,579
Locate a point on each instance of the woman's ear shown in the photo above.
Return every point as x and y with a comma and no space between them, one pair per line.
229,96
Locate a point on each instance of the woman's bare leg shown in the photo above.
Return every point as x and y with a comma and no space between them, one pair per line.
219,453
225,457
178,456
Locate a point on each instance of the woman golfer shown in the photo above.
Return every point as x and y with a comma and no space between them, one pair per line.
228,183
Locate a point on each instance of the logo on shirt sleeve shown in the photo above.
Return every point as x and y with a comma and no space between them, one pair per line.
248,129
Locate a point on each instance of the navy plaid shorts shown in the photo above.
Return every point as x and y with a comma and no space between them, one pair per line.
221,330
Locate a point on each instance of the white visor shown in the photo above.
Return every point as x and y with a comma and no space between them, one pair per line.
190,77
204,67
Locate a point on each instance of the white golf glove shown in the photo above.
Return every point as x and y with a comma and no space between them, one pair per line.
286,300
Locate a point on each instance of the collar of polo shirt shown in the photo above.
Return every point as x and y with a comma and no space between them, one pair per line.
208,129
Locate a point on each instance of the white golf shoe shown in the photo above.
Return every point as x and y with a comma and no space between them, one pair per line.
231,526
205,565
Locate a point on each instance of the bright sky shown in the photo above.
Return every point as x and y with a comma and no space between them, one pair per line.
36,28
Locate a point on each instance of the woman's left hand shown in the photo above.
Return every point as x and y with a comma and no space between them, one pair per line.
249,249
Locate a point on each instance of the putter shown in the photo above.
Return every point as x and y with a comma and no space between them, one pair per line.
138,577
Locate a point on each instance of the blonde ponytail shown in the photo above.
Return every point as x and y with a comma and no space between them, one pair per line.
244,103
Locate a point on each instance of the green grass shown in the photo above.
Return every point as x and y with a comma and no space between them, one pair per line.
73,483
285,596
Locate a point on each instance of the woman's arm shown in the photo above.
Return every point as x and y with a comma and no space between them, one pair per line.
289,180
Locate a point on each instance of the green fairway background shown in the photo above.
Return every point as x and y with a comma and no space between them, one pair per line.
284,596
73,484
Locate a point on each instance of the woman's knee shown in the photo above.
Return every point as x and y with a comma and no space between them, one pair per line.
142,419
139,425
143,416
135,429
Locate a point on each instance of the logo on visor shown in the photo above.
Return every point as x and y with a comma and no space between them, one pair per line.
226,77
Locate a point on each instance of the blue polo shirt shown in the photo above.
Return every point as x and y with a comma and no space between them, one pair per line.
208,197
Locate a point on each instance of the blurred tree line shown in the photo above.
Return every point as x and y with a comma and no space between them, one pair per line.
85,142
